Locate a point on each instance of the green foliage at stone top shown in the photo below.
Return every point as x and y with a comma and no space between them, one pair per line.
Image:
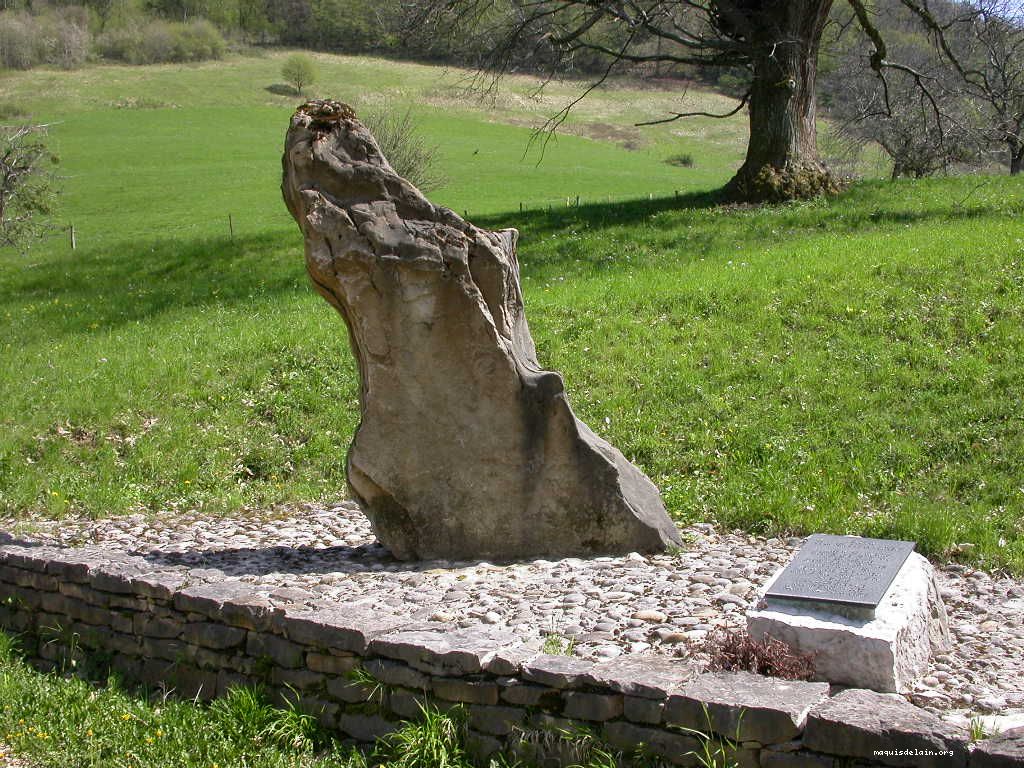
28,189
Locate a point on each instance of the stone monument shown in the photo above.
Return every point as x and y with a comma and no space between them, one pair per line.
466,448
868,610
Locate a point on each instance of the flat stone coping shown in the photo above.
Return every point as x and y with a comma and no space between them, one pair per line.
320,557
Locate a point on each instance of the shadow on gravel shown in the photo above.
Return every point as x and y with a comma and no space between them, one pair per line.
366,558
6,538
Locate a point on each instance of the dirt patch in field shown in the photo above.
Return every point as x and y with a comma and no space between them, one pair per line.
626,136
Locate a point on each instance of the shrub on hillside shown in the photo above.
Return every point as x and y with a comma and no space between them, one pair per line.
60,38
71,44
197,40
18,41
157,42
298,71
405,147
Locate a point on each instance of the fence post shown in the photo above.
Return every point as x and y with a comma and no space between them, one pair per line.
231,226
74,242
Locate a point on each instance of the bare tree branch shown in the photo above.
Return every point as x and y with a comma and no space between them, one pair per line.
26,185
680,115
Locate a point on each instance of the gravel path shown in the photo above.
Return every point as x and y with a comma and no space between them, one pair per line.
8,760
604,606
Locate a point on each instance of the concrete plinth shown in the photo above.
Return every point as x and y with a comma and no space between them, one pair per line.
885,653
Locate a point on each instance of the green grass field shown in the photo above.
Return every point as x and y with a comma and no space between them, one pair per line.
848,365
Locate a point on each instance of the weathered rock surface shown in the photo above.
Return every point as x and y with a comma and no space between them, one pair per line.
884,727
1001,751
745,706
466,447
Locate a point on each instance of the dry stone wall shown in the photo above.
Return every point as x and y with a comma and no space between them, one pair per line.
360,672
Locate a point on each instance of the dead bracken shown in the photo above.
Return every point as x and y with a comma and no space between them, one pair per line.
737,651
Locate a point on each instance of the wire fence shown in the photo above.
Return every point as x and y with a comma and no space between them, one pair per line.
75,236
233,225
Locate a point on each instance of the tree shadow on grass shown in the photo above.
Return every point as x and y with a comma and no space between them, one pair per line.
704,223
538,222
127,283
130,282
850,210
281,89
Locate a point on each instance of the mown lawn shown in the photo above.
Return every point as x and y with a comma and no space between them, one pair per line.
849,365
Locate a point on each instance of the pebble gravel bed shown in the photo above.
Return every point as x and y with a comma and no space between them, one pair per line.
595,608
8,760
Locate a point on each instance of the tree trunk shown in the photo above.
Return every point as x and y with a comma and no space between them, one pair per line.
1016,156
782,160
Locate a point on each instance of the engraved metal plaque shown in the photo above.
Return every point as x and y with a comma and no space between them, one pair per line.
842,571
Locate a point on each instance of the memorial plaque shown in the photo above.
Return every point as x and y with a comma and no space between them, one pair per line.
846,574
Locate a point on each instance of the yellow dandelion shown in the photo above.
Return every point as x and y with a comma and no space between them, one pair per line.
126,716
159,733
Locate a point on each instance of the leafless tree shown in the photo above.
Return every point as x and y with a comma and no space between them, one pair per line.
995,43
775,42
908,133
27,188
983,42
921,130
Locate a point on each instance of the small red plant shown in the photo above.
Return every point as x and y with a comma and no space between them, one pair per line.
738,651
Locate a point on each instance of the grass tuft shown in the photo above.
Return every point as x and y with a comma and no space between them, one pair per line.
435,740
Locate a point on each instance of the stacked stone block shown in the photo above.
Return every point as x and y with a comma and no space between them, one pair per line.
361,672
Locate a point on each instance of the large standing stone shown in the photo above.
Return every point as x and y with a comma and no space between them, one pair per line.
467,448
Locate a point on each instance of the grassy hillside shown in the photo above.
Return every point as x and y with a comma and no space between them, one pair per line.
170,150
850,365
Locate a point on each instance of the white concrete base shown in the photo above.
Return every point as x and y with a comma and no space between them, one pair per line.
886,653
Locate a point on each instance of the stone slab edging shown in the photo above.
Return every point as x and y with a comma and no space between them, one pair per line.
201,633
